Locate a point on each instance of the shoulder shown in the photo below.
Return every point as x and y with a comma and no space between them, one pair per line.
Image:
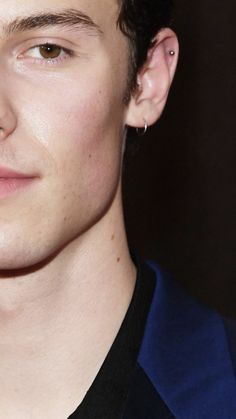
185,354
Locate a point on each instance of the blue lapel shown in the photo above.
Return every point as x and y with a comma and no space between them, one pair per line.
185,355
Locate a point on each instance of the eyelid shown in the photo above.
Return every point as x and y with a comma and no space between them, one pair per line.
66,50
68,53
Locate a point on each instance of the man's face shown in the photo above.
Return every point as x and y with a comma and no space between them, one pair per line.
62,119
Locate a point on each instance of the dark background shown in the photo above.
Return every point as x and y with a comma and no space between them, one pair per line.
179,182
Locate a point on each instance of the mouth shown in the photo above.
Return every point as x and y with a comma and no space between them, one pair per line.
11,181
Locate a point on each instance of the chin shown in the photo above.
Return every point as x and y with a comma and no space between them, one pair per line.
22,257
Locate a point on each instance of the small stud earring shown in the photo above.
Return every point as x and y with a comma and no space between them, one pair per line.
142,131
171,52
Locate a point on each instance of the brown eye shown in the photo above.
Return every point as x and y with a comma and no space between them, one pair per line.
50,51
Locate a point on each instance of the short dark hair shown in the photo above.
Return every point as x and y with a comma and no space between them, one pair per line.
140,21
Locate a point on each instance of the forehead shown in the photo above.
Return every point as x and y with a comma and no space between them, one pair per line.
103,13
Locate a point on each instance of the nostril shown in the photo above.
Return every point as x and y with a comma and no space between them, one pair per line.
8,119
2,133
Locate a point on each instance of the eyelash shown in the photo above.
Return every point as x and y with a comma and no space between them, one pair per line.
67,54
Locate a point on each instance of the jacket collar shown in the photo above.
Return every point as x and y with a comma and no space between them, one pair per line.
185,354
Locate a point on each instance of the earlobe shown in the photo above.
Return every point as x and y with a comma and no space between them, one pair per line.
154,80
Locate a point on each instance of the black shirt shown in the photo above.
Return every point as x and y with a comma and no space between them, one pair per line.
109,397
108,394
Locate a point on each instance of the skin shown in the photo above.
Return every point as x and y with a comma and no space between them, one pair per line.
64,259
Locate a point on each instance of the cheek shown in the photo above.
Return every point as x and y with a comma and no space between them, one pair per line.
91,155
80,112
81,131
84,119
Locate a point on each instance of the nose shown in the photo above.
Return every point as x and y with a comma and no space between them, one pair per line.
7,119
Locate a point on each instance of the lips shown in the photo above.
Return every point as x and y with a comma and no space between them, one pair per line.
6,173
12,181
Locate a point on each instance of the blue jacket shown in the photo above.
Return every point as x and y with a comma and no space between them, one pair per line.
184,368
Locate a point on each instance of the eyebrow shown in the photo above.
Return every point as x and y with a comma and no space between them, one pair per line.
68,18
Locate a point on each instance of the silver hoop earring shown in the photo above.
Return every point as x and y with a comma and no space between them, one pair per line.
142,131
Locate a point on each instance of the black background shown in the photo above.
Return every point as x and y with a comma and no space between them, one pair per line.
179,180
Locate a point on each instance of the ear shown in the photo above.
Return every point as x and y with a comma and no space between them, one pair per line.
154,81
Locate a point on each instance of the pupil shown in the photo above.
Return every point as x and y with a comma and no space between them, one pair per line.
50,51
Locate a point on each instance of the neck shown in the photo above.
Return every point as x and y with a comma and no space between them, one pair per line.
63,317
90,273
